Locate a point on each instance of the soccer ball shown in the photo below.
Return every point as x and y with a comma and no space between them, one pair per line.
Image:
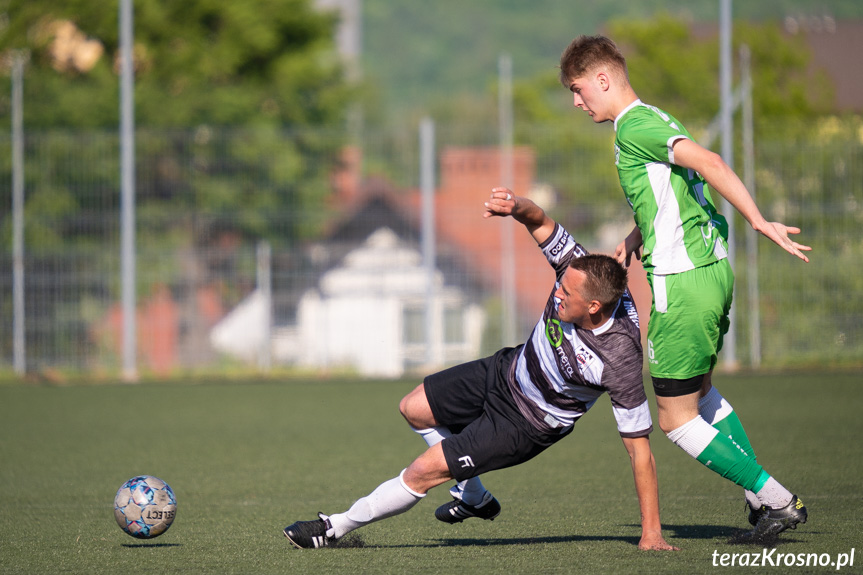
145,506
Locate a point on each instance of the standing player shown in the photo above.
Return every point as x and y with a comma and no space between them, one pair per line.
665,176
506,409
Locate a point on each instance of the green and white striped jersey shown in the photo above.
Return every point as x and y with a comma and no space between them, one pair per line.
679,223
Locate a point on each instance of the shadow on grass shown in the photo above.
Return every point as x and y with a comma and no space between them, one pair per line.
700,531
143,545
732,535
356,541
484,541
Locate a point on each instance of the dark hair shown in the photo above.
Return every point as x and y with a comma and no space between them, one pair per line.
586,52
605,278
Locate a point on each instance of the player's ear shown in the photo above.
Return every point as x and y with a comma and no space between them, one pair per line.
594,307
603,79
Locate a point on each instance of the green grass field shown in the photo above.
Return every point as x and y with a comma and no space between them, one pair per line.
246,459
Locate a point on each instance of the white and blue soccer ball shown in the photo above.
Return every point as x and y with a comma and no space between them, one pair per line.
145,506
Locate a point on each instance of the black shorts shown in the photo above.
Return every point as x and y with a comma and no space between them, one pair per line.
473,401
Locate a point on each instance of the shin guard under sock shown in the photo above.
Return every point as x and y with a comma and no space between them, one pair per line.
716,411
390,498
717,452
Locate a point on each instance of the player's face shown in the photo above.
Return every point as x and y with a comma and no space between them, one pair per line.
587,95
573,307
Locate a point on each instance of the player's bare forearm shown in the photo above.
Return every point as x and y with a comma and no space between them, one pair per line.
504,203
647,489
721,178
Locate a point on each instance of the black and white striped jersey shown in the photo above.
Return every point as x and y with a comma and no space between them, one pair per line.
563,369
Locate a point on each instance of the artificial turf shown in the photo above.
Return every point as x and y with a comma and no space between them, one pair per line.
247,458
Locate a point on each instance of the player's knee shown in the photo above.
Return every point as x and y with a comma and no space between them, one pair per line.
407,407
414,408
667,426
403,407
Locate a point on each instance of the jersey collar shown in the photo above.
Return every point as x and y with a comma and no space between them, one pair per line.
607,325
637,102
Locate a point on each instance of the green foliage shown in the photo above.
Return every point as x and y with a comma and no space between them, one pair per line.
668,66
268,66
816,186
196,62
673,68
678,71
449,49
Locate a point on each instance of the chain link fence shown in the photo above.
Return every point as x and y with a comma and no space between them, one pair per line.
344,286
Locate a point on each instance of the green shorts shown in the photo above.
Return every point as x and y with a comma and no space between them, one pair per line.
688,318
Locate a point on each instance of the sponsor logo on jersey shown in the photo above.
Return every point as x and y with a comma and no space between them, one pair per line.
629,306
553,332
557,248
565,366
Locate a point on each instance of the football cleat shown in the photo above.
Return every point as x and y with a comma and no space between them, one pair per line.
755,514
310,534
772,522
457,510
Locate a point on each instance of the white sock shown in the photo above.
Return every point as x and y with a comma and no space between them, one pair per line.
752,499
471,491
433,435
774,495
390,498
694,436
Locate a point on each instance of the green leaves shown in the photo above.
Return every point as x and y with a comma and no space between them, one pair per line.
200,61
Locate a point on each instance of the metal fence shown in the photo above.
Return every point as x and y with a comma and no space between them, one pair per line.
265,249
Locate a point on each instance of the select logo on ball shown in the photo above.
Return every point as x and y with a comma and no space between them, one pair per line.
145,506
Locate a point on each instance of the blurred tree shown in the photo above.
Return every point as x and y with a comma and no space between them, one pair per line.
196,62
240,118
674,66
227,95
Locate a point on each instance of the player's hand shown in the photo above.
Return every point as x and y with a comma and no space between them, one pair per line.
778,233
629,247
501,203
655,542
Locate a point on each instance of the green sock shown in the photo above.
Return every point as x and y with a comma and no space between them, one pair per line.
726,458
731,428
717,452
716,411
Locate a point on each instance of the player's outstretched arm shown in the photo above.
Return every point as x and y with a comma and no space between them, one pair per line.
504,203
647,488
722,178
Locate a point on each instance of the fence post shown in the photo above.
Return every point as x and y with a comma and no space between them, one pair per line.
726,110
507,244
265,288
427,149
19,360
127,191
753,293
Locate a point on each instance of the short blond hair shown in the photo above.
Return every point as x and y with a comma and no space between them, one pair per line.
586,53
